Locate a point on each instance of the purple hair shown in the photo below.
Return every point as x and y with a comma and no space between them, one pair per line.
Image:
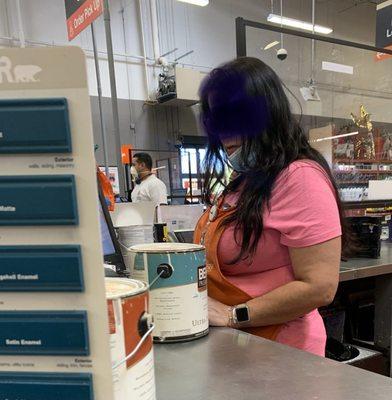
229,107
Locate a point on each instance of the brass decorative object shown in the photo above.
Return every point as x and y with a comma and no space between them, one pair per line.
364,146
364,120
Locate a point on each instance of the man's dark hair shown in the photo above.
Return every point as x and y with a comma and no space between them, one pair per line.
144,158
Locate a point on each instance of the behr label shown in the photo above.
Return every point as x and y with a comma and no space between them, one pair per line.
202,278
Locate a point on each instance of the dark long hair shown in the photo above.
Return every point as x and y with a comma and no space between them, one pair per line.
245,98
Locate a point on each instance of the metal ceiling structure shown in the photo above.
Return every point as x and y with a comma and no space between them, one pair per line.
242,25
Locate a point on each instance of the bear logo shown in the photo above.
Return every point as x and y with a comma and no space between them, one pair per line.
19,74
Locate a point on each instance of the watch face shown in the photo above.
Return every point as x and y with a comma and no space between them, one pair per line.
242,314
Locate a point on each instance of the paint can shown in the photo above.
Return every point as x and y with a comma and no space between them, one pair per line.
130,329
135,234
177,276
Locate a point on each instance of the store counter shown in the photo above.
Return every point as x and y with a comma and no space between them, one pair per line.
229,364
365,267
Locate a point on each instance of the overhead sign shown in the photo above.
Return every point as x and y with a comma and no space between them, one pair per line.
80,14
384,29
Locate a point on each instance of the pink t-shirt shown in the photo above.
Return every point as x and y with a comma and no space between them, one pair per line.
303,213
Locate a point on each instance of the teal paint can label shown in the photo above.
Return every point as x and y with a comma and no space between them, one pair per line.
177,275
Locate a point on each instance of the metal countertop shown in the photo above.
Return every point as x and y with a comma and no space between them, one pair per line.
364,267
232,365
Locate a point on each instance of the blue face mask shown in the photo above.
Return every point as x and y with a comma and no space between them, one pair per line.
236,163
235,160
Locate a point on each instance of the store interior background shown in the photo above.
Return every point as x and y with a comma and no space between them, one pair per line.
210,33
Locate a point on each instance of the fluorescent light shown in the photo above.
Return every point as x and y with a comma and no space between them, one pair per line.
271,45
334,67
334,137
201,3
296,23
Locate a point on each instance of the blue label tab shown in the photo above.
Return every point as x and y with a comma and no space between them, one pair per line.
41,268
44,333
45,386
38,200
34,126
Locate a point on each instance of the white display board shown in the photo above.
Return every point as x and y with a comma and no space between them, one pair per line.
46,73
180,217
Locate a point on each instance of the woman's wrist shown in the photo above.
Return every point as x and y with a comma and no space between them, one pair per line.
232,316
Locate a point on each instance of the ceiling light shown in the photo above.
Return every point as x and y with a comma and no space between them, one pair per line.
201,3
334,67
271,45
296,23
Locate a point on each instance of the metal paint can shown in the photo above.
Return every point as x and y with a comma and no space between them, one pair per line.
129,324
135,234
177,275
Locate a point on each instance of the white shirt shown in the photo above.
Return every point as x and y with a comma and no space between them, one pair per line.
150,189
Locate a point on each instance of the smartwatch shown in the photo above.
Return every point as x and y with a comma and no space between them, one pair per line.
241,314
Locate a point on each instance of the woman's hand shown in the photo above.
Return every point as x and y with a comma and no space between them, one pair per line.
218,313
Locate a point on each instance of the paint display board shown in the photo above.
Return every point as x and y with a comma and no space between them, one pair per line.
54,335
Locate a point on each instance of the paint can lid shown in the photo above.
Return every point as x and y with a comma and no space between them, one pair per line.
118,288
166,248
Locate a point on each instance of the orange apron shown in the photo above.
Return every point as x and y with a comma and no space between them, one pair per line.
106,188
219,288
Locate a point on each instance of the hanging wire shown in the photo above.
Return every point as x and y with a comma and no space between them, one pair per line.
127,69
313,42
281,23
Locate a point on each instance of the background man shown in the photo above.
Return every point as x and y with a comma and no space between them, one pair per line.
148,187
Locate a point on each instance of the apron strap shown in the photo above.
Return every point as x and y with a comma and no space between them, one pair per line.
219,288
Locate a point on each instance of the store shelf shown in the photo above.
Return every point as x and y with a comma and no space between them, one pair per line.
375,214
361,161
352,182
357,171
350,205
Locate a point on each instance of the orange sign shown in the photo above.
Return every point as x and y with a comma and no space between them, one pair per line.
80,14
126,153
383,56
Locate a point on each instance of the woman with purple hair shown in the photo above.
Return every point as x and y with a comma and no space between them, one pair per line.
273,236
